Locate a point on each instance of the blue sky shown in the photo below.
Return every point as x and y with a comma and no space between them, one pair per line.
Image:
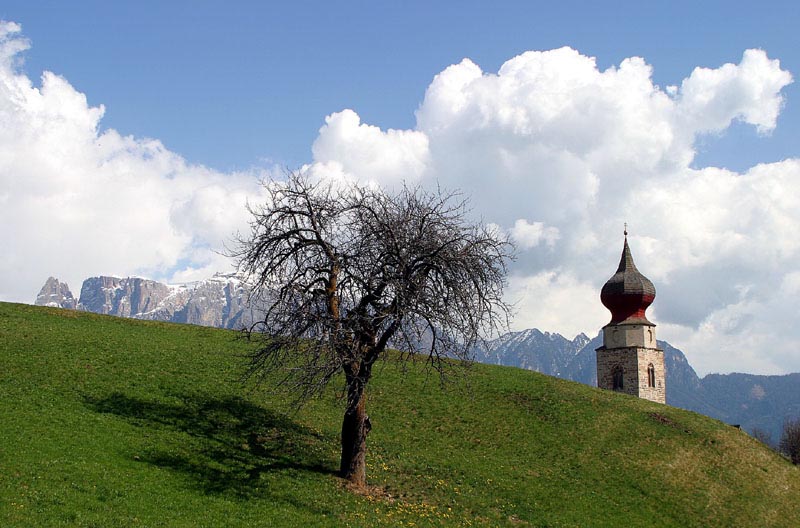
236,84
132,134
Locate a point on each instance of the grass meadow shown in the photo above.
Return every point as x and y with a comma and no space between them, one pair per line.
110,422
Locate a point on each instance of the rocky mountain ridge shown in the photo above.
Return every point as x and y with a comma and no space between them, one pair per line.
222,301
56,294
552,357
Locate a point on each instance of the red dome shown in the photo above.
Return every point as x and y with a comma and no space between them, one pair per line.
628,293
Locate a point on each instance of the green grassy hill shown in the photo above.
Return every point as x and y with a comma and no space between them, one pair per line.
113,422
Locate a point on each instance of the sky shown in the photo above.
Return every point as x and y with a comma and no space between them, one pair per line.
132,135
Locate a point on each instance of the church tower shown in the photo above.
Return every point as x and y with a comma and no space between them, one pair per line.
629,360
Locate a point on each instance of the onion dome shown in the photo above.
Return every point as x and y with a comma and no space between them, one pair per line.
628,293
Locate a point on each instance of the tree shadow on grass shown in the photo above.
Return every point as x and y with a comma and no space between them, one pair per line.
234,446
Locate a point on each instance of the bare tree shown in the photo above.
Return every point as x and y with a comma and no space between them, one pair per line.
790,440
348,270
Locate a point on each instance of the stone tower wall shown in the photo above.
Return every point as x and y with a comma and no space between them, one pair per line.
654,356
634,362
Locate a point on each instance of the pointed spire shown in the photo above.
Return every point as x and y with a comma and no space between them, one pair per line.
626,261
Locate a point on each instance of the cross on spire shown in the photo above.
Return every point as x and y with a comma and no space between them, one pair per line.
626,229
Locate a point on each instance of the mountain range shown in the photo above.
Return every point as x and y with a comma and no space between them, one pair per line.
221,301
751,401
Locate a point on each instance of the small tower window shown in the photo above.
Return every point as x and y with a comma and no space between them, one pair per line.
651,375
617,375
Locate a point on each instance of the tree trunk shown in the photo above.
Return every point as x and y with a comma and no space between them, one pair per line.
355,428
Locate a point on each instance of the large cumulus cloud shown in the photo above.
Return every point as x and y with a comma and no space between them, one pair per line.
561,154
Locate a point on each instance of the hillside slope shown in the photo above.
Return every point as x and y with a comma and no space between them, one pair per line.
118,422
752,401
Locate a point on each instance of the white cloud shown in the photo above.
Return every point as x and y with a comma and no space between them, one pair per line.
390,157
528,235
78,202
750,91
549,297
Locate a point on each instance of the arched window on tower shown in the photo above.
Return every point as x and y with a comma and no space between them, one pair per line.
616,378
651,375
